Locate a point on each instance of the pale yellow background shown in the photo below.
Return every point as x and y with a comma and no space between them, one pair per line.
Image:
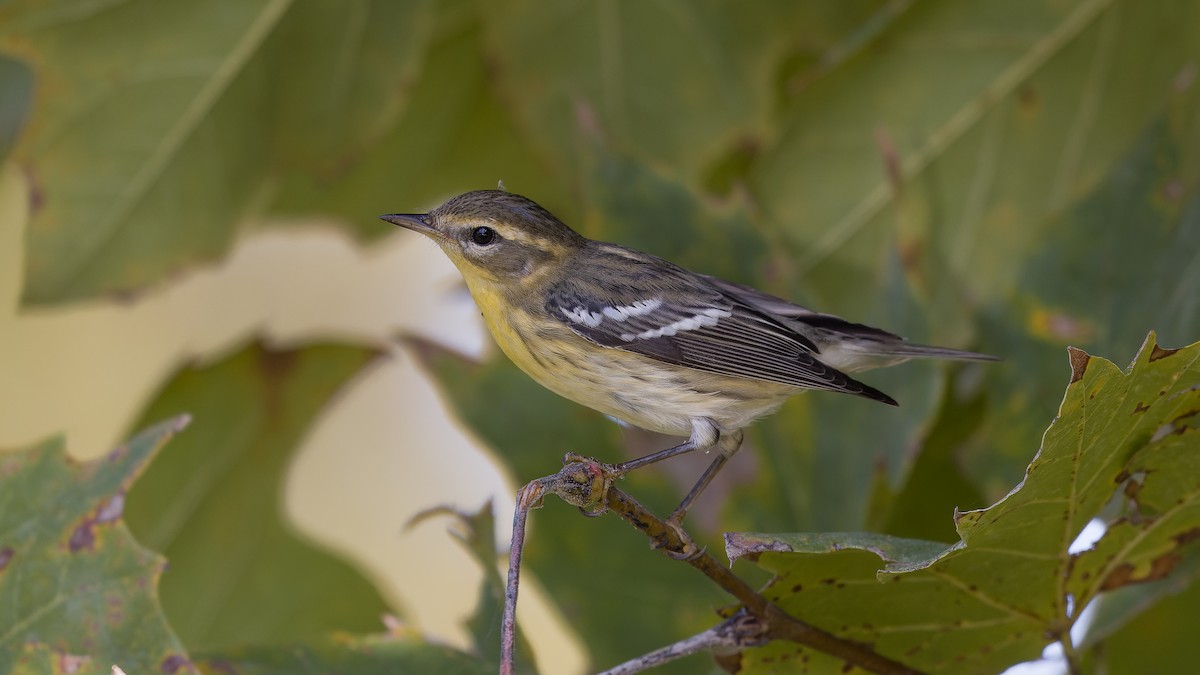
88,369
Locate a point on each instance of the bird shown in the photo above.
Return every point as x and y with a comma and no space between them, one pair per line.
643,340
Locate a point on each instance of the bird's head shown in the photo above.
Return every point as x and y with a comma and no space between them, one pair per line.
495,236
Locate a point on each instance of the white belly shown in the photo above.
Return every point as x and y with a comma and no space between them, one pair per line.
663,398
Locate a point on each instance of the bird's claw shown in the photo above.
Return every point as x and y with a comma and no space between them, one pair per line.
687,549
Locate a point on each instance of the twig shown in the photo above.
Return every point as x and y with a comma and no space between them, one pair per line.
737,632
586,483
527,498
575,484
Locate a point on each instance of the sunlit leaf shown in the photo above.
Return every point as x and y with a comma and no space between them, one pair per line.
16,91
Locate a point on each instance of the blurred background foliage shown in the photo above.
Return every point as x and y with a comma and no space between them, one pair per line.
1010,176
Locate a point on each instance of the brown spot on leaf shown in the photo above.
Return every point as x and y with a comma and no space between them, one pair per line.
1179,421
892,163
173,663
37,195
1173,190
83,537
1127,574
1133,488
1159,353
277,363
797,588
1027,99
1079,363
1140,408
6,555
1187,536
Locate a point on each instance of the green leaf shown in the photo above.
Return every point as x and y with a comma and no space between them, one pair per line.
936,484
960,130
346,655
75,587
456,135
1121,260
1010,585
157,126
16,91
630,203
672,83
239,574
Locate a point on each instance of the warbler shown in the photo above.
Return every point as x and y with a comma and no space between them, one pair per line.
641,339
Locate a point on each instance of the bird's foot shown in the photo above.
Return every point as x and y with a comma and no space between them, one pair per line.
685,548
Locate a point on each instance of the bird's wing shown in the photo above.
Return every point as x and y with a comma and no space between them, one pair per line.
674,316
779,307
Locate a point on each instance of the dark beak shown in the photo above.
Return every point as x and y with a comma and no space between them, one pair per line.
417,222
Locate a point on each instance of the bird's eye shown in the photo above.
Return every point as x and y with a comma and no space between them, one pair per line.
483,235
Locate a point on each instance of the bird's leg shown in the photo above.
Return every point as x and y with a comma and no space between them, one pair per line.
705,434
727,445
674,451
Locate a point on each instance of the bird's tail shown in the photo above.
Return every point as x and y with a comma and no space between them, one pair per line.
913,350
852,353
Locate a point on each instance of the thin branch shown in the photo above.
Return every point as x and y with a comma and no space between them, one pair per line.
735,633
586,483
528,497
